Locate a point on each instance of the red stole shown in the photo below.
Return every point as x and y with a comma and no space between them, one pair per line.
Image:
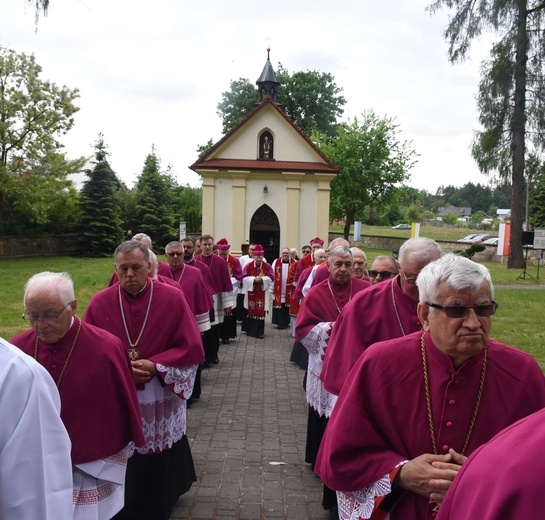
256,298
230,264
278,283
294,302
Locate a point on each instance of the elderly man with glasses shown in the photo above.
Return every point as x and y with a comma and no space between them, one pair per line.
99,405
384,311
413,408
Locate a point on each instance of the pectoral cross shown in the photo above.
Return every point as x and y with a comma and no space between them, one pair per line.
133,354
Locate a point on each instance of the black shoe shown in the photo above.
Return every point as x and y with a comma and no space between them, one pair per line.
259,336
206,364
190,401
215,360
225,341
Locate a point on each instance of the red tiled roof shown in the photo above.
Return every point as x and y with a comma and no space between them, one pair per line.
245,164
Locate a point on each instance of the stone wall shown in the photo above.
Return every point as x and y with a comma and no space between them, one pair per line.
18,247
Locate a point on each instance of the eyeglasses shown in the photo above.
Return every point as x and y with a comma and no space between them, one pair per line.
408,280
461,311
382,274
44,318
175,253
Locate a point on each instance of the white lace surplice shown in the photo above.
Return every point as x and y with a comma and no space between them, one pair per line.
355,505
163,412
317,396
99,486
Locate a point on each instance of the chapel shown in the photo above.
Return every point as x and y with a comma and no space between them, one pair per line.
265,181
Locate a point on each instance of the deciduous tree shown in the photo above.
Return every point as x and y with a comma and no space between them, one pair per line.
373,162
236,103
34,114
310,98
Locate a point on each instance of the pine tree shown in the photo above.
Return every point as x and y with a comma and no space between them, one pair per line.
153,203
100,229
537,204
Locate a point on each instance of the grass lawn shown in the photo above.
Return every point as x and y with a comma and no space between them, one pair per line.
436,232
517,321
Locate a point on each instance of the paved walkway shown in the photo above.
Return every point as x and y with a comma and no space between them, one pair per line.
247,434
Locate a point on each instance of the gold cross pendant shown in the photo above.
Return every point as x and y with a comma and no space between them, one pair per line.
133,354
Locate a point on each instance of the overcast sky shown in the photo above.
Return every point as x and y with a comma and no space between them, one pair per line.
152,72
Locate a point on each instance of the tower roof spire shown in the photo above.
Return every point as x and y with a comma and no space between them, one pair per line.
268,82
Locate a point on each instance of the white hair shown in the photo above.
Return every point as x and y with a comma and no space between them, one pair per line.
337,242
318,252
143,238
60,284
419,248
341,251
357,249
455,271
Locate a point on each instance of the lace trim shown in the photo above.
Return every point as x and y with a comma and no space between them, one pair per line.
163,417
316,340
354,505
317,396
182,379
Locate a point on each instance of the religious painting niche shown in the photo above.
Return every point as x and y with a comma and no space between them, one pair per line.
265,230
266,145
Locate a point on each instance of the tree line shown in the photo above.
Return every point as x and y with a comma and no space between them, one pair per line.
375,165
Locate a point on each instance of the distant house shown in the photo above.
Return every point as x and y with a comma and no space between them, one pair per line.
461,213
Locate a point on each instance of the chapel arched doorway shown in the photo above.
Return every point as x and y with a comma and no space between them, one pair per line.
265,230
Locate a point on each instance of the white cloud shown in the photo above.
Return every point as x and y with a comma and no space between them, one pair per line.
153,72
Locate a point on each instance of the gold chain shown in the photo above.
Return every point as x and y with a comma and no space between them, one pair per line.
428,398
333,296
395,309
134,353
69,353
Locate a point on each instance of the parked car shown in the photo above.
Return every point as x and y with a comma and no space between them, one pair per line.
468,238
402,226
492,241
475,238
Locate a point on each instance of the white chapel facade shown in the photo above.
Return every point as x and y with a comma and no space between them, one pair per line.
265,181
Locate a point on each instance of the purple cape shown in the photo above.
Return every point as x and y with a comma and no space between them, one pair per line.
99,406
170,337
370,317
191,280
320,305
381,417
219,271
502,479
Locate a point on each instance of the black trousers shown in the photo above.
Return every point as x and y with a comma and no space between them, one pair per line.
154,482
